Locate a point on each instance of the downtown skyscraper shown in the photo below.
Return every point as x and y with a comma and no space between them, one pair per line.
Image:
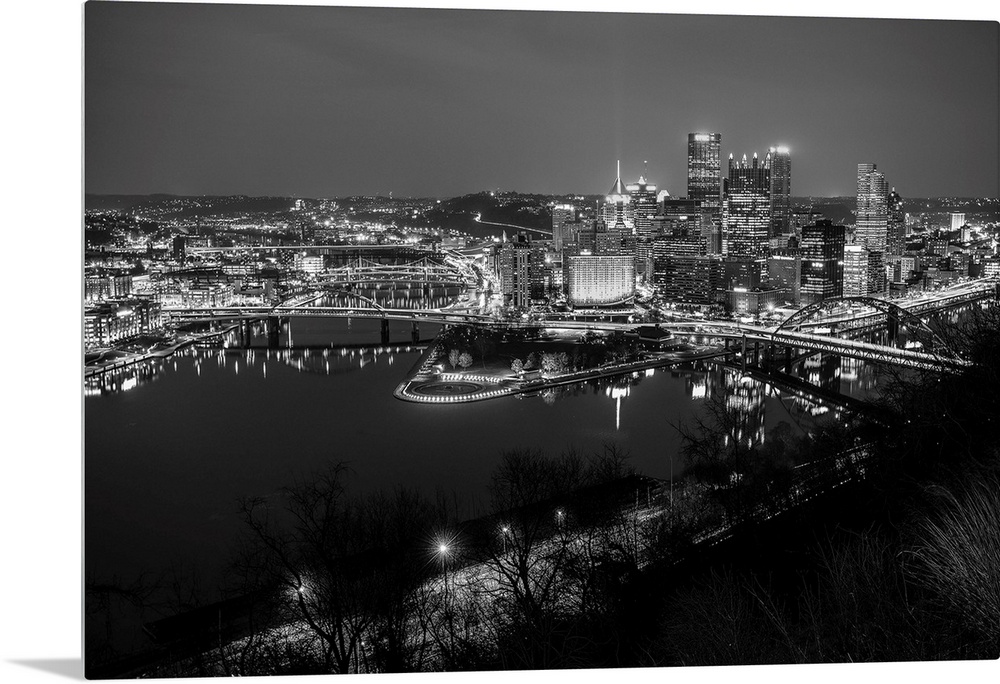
781,188
746,212
872,223
822,261
704,170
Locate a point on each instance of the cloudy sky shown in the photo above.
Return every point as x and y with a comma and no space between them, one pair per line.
332,101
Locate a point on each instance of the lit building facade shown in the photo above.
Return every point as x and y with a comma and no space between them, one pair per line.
781,189
872,225
896,228
784,272
563,220
704,170
822,249
117,321
617,211
855,271
642,197
600,279
521,267
746,210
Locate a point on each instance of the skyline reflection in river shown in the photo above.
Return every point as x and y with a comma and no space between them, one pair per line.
170,447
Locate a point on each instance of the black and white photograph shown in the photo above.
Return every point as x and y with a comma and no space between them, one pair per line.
430,339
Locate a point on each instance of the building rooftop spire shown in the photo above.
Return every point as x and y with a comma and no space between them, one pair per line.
618,188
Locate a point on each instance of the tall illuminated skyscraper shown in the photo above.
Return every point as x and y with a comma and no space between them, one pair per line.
781,188
704,180
642,198
618,217
872,225
873,208
746,211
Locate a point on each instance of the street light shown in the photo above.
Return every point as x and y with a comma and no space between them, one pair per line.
443,555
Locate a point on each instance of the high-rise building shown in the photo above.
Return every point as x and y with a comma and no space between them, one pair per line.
704,178
746,210
822,250
521,269
781,188
855,271
642,197
872,224
896,233
617,210
563,218
682,272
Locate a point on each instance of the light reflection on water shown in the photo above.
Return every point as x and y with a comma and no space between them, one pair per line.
171,445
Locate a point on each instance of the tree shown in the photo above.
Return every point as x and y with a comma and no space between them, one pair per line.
554,362
465,360
517,366
343,572
453,357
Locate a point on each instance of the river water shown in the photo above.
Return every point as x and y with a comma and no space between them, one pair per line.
171,447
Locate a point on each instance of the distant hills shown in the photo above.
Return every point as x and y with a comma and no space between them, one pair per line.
529,210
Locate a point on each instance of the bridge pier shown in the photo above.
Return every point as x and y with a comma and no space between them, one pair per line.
273,331
385,331
246,333
415,332
892,326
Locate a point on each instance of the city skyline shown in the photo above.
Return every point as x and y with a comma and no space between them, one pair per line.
332,101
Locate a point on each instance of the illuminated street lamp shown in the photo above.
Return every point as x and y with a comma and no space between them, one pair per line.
443,555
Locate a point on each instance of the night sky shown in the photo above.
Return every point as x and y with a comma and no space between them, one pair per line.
328,101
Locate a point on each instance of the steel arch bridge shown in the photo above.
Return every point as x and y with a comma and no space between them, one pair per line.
897,315
423,270
347,293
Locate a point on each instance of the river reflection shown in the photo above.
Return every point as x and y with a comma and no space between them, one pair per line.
171,445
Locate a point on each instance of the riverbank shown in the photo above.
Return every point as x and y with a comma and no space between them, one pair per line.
123,359
430,385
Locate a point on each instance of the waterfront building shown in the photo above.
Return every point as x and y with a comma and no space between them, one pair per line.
743,301
822,249
600,279
116,321
781,188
